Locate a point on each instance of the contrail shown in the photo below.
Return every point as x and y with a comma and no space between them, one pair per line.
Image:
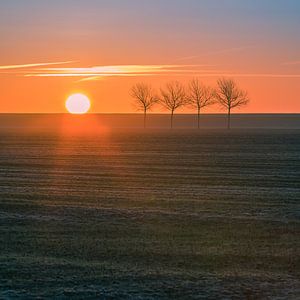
9,67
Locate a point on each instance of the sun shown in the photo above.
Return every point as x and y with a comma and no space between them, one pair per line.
78,104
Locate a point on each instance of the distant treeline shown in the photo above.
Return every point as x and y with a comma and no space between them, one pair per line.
195,95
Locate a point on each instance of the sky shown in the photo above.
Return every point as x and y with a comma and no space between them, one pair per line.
51,49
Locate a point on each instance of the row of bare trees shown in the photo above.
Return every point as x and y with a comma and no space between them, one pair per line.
196,95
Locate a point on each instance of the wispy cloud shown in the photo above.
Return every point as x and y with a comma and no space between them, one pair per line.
27,66
258,75
101,72
291,63
216,52
118,70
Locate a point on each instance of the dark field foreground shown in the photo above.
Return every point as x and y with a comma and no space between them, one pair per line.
150,215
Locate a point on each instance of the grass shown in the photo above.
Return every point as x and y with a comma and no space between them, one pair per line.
196,223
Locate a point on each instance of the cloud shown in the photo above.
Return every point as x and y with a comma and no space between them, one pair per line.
190,73
101,72
9,67
221,51
291,63
118,70
258,75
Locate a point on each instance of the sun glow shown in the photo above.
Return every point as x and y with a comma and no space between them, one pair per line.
78,104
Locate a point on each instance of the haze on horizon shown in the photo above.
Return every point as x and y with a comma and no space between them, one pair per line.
101,48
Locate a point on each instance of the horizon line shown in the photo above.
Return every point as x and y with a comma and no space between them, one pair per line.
149,113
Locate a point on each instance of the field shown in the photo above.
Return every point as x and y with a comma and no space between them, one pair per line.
153,214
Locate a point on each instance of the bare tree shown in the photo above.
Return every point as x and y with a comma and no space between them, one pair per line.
173,96
145,98
200,96
230,96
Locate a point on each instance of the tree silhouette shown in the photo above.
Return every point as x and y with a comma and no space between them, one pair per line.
173,96
200,96
144,97
230,96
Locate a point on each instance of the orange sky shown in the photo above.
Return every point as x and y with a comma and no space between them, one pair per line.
101,48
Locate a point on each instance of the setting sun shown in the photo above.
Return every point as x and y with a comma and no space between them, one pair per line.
78,104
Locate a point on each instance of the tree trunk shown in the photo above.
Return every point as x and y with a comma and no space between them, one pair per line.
199,118
172,114
145,117
228,119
